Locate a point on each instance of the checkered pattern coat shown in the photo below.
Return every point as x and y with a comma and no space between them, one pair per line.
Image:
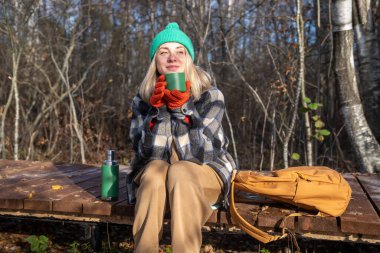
202,142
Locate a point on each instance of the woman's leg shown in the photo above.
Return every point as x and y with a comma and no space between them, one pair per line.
192,190
150,206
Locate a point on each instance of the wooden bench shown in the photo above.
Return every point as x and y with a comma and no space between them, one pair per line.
71,192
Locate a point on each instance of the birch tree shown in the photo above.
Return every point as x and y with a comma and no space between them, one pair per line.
300,84
15,30
364,144
368,48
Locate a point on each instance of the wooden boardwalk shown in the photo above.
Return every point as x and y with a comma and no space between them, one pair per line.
72,192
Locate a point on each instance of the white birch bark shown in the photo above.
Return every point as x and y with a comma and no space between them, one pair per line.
369,64
301,41
15,62
309,135
300,83
2,127
13,31
365,146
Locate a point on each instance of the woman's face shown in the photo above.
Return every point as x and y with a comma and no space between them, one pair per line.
171,57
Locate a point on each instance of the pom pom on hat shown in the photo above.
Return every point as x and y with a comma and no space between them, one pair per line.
171,33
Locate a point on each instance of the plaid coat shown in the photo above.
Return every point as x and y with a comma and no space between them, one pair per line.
202,142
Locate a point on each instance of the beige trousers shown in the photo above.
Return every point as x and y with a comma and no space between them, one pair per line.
190,189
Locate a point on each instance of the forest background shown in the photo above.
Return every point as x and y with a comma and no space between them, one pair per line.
301,79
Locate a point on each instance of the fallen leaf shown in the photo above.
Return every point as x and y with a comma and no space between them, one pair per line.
30,195
56,187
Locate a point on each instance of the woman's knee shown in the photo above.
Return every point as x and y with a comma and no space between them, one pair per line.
154,175
181,172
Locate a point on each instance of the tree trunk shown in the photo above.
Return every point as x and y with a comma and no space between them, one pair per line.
2,127
364,144
369,65
16,63
300,83
63,73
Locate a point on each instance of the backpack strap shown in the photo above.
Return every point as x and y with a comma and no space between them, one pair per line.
245,225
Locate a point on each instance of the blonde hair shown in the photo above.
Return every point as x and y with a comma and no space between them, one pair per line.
200,80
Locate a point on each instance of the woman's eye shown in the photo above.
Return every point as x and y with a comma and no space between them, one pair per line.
163,52
180,52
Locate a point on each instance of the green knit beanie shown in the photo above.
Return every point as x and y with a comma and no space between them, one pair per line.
171,33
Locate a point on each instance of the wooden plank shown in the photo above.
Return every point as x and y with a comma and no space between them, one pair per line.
99,207
123,208
360,217
29,191
41,202
12,195
354,184
248,212
13,204
35,173
87,200
23,190
371,184
376,202
73,201
273,217
317,224
82,186
11,176
44,198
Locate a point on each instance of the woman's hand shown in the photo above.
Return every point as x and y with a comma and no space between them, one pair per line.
175,98
157,98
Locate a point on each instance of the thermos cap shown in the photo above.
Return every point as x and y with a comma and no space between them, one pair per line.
110,157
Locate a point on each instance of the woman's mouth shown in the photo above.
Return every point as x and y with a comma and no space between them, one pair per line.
172,68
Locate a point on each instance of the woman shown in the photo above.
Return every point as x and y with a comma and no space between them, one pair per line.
180,162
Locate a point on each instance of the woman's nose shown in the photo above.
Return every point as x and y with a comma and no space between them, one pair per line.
172,57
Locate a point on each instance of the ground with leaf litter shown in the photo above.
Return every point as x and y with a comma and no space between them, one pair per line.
70,237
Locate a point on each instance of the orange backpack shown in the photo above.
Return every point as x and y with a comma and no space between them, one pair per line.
314,188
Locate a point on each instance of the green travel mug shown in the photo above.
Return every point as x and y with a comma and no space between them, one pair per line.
176,81
110,178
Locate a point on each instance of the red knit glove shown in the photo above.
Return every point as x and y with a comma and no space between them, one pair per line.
157,98
175,98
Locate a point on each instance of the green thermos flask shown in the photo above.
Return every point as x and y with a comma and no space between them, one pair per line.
110,177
